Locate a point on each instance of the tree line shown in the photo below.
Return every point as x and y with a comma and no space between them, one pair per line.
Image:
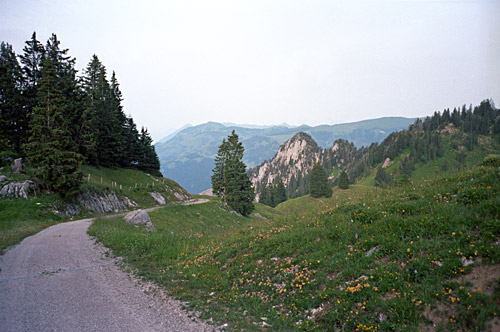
57,119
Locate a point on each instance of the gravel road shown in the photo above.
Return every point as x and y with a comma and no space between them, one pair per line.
60,280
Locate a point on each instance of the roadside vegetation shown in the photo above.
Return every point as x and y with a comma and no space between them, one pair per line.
20,218
419,256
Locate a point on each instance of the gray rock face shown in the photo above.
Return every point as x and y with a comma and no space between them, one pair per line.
3,178
18,189
102,203
180,196
139,217
158,198
17,166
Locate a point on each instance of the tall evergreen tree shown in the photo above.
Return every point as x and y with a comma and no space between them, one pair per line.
319,182
148,160
50,148
219,171
230,179
13,120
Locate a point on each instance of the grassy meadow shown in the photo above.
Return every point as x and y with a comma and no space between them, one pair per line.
425,256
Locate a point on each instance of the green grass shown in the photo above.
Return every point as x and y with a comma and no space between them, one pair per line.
134,184
21,218
308,268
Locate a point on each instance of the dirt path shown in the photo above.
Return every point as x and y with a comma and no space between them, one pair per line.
60,280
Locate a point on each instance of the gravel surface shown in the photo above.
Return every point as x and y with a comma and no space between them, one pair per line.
60,280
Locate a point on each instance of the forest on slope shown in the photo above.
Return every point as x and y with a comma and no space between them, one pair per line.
442,142
56,120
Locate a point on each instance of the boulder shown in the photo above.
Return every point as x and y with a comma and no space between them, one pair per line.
181,196
18,166
18,189
104,202
139,217
158,198
3,178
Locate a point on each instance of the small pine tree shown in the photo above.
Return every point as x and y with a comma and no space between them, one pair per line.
319,182
343,180
279,192
382,179
230,180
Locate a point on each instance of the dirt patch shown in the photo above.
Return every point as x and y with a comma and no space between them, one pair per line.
482,278
493,325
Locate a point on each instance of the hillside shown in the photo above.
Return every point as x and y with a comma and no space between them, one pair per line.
437,145
188,156
422,256
105,191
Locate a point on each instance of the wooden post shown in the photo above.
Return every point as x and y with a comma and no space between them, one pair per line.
101,179
120,187
88,178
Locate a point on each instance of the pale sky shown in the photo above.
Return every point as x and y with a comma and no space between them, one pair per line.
274,61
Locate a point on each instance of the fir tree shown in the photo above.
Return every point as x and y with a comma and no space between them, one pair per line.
13,120
382,179
148,160
279,192
343,180
319,182
50,148
230,180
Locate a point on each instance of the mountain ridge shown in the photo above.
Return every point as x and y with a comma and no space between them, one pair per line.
188,156
436,144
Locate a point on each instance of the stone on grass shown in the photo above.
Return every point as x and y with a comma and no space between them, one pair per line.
139,217
18,189
158,198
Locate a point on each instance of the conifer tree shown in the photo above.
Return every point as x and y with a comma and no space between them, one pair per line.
319,182
148,160
50,148
13,120
343,180
382,179
230,180
279,192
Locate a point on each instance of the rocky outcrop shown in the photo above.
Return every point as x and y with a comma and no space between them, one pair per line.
292,163
3,178
18,166
140,217
158,198
181,196
104,202
18,189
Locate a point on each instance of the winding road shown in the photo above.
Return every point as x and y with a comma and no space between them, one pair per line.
61,280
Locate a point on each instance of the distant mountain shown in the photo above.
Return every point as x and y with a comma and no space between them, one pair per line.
188,156
169,136
434,146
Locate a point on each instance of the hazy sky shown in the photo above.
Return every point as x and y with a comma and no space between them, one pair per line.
268,62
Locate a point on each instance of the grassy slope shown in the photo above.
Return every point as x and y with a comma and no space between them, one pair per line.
308,267
21,218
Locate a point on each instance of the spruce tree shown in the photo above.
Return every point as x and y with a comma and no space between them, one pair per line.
230,180
13,120
343,180
382,179
219,171
50,148
279,192
319,182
